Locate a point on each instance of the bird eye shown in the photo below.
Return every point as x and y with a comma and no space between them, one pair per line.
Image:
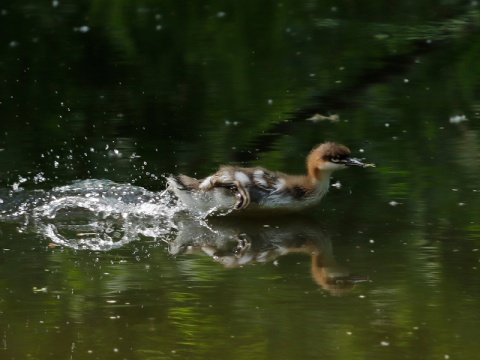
335,159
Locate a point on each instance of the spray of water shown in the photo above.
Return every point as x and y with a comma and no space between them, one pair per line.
95,214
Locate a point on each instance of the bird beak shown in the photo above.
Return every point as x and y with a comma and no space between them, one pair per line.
354,162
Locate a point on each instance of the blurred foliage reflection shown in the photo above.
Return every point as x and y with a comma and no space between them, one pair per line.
130,90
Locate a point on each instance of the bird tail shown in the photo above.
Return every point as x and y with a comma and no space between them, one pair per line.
182,182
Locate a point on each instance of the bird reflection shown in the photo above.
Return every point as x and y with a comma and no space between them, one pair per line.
236,242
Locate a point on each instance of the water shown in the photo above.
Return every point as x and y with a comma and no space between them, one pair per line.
99,103
103,231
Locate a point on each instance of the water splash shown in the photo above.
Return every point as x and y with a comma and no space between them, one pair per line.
92,214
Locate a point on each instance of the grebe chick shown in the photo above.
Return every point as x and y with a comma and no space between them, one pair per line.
239,188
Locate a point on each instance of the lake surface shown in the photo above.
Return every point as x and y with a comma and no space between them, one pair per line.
100,100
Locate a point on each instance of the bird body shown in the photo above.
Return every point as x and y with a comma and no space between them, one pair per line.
239,188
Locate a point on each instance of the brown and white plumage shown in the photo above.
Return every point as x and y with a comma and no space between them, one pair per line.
233,187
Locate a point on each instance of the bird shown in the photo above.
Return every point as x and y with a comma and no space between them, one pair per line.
236,188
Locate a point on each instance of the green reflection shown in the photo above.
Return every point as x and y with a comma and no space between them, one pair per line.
130,90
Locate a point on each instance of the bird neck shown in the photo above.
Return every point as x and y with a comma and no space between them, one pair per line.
318,176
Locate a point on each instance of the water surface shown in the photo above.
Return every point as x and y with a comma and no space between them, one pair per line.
99,101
